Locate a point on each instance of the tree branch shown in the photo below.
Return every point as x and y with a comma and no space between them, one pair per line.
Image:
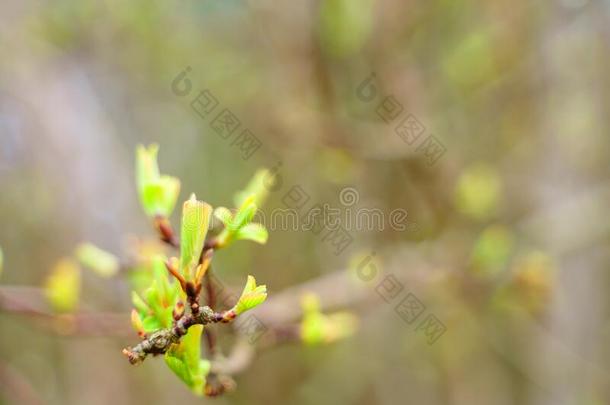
160,341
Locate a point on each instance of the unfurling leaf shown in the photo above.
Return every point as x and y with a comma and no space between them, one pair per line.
238,226
155,307
139,303
103,263
171,190
62,288
184,359
136,322
258,187
195,222
224,215
158,194
251,296
244,214
254,232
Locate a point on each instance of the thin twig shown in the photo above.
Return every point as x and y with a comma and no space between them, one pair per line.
160,341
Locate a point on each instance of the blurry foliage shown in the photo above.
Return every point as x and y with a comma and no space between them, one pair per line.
345,25
508,83
478,192
470,63
534,275
318,328
100,261
62,287
492,250
156,305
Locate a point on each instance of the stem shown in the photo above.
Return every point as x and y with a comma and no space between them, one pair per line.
204,260
210,289
160,341
166,232
210,292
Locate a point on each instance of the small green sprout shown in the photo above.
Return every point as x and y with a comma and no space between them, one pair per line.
158,193
238,226
195,223
156,308
251,296
258,187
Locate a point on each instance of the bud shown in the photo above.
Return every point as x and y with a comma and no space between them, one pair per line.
195,222
257,187
251,296
238,226
178,310
136,323
158,193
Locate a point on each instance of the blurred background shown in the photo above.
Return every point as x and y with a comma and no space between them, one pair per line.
485,122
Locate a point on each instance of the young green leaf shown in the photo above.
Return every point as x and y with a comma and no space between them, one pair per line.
151,197
103,263
233,223
195,221
160,298
184,360
254,232
62,288
251,296
171,189
258,186
244,214
158,194
224,215
139,303
151,324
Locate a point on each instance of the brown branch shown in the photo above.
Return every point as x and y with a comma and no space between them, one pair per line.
166,232
18,389
160,341
30,301
210,292
244,352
